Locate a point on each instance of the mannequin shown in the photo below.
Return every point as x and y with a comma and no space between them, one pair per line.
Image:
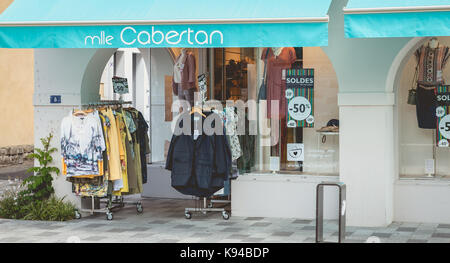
431,60
433,43
278,59
277,51
183,84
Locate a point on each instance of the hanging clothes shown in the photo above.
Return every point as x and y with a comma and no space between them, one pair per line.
276,86
121,186
430,63
142,140
199,163
230,119
82,145
247,161
101,154
113,152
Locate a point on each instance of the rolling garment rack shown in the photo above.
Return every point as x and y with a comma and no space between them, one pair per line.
208,204
204,205
112,202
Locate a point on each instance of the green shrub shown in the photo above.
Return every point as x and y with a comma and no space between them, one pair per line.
34,199
10,208
39,186
52,209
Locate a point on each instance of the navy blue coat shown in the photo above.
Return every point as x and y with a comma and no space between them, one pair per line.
199,167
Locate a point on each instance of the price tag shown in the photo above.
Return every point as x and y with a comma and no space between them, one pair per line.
299,108
444,127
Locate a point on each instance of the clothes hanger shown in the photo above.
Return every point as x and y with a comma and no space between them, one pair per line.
79,113
198,110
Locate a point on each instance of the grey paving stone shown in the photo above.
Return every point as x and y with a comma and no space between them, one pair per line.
141,235
159,222
238,236
47,234
117,230
95,225
226,223
253,239
201,234
183,226
261,224
254,218
94,238
417,241
310,240
301,221
407,229
346,234
10,239
309,228
382,235
282,234
50,227
354,241
169,241
441,235
140,229
232,229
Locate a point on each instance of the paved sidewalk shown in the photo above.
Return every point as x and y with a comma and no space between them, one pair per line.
163,221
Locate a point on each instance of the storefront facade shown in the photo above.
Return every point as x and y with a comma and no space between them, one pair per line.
360,81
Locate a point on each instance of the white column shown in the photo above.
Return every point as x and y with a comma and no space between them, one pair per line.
367,157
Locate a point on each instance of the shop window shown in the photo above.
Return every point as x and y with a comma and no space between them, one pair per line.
306,147
422,101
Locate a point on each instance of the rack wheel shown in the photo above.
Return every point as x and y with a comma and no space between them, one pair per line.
109,216
188,215
77,215
225,215
139,208
210,205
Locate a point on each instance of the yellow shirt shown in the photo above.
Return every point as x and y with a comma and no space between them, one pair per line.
121,130
114,165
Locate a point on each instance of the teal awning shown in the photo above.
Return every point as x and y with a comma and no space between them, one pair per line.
397,18
168,23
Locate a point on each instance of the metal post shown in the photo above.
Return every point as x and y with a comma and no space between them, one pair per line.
319,210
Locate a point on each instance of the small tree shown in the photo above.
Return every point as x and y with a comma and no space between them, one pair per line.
39,186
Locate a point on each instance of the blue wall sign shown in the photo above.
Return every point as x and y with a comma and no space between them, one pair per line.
55,99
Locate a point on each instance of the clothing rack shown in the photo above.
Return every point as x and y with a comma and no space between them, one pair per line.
205,205
107,103
112,202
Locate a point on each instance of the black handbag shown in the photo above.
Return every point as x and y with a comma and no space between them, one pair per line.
262,95
412,93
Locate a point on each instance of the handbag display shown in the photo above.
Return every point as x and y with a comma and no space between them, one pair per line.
262,95
412,93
